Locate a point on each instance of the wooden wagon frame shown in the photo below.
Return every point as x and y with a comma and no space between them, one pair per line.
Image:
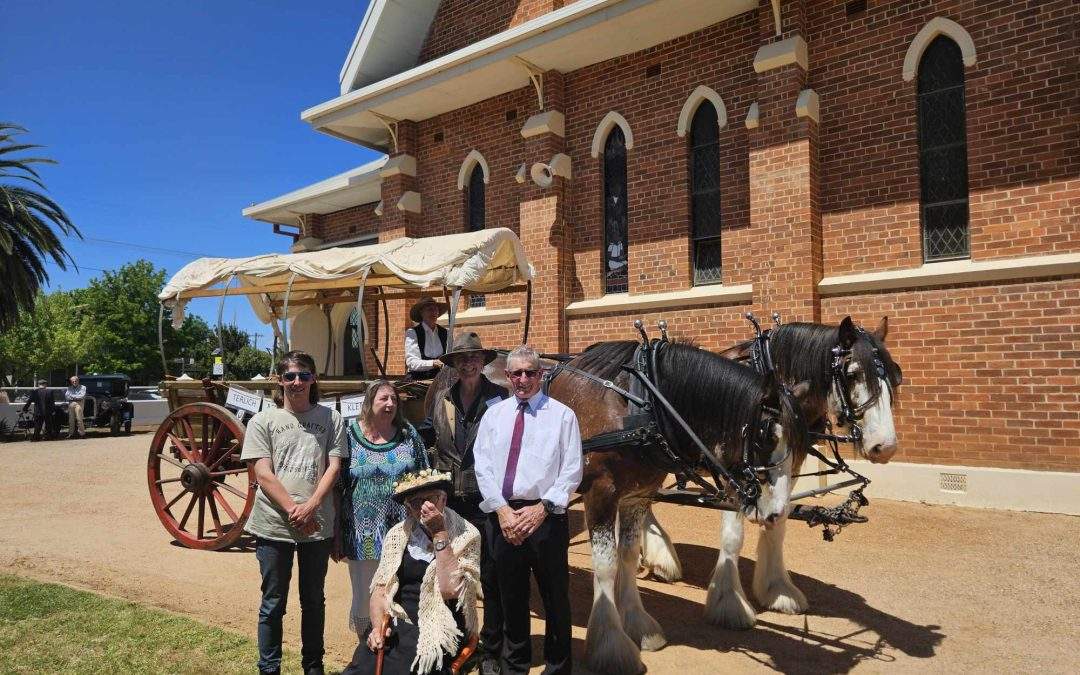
199,488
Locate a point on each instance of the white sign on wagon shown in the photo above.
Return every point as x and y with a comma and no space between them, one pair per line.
350,407
244,400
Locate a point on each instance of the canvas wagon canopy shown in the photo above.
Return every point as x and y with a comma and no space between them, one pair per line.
480,262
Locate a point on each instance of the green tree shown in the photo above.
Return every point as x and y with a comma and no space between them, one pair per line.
123,305
49,336
27,218
247,363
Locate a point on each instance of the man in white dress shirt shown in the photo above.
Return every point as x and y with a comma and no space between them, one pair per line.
528,462
426,341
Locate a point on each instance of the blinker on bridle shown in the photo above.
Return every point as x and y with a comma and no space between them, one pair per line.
850,414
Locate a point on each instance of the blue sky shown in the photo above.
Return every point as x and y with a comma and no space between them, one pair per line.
168,118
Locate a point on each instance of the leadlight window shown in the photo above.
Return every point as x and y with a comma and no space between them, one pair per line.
475,215
943,171
615,213
705,194
354,346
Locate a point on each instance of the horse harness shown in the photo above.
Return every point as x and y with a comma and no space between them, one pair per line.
649,428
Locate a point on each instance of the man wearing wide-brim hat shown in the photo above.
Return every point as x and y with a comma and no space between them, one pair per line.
456,417
426,341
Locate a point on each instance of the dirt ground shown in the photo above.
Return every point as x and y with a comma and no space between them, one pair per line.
918,588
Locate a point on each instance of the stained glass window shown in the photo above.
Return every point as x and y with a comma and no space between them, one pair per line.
943,167
615,214
475,215
354,346
705,194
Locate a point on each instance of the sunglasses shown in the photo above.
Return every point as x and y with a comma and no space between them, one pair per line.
522,373
292,375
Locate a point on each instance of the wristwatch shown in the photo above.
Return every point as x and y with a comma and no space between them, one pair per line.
440,544
552,508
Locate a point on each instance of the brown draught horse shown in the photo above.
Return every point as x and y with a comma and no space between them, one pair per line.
720,400
800,352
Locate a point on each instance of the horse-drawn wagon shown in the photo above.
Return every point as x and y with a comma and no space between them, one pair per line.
199,488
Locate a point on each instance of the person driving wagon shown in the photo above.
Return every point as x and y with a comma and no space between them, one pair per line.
426,341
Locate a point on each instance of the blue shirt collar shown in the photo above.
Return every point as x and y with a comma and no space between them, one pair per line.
536,401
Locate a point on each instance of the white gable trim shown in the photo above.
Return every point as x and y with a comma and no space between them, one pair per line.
388,41
937,26
472,159
610,121
700,94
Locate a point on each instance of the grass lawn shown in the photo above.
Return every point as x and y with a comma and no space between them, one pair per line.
48,628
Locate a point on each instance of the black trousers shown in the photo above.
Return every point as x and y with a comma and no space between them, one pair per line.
491,634
47,422
544,554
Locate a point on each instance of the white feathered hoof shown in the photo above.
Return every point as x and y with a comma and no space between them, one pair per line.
607,648
644,630
781,596
658,555
728,608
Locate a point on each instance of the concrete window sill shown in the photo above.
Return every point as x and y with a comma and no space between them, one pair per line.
698,295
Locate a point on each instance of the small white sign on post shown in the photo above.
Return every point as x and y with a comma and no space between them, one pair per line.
243,400
350,407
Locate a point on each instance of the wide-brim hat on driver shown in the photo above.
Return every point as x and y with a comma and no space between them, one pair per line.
416,310
425,479
467,343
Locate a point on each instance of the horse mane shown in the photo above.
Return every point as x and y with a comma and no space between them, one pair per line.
716,396
803,352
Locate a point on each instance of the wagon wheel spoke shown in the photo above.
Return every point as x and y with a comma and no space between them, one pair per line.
162,481
226,486
187,512
214,515
205,444
190,432
228,472
176,499
202,515
225,504
170,460
216,446
184,451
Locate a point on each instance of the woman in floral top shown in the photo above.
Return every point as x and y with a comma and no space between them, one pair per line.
382,447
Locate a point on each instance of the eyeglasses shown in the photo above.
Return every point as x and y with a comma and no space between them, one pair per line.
292,375
523,373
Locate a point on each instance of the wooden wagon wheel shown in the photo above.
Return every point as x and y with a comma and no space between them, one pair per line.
200,489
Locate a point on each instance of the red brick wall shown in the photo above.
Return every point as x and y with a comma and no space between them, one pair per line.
991,373
1023,130
459,23
345,224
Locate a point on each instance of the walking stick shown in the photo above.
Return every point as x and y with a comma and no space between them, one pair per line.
378,661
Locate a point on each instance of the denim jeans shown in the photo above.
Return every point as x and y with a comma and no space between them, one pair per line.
275,563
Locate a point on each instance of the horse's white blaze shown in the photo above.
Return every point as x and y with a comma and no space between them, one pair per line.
879,442
726,604
772,585
657,552
772,504
607,647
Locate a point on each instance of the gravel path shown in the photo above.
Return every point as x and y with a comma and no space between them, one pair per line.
918,588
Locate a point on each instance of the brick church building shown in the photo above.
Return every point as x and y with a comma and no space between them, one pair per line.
693,160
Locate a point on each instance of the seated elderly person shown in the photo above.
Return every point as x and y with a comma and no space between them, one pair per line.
426,585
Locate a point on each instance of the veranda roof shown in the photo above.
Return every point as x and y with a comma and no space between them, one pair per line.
482,262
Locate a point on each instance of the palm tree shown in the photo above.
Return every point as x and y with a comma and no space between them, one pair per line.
27,237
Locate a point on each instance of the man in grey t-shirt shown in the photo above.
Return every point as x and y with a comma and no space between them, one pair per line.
297,449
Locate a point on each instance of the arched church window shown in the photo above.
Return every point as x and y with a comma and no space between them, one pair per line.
354,346
475,215
943,170
705,194
615,213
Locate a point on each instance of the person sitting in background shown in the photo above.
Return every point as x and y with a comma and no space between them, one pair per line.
44,400
382,447
75,395
426,585
426,341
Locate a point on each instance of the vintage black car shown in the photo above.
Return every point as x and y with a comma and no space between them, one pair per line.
107,403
